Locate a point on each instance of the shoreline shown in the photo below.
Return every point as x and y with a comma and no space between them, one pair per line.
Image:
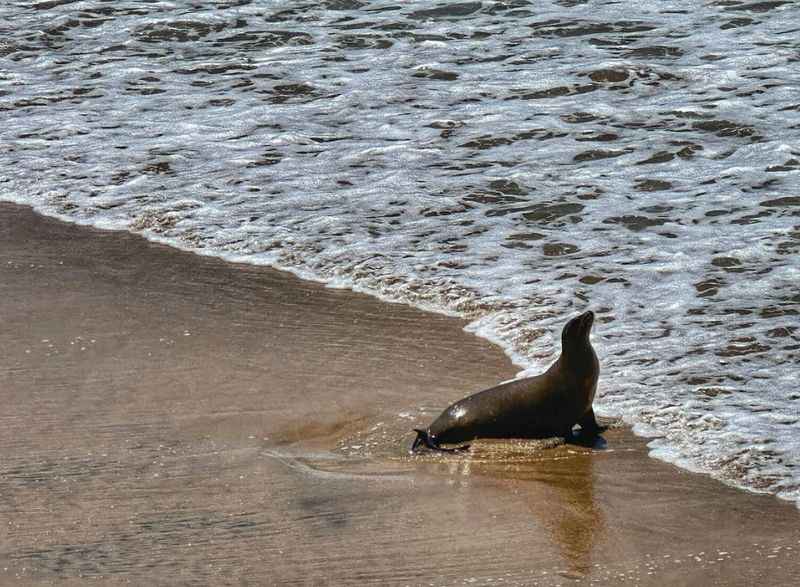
178,416
665,453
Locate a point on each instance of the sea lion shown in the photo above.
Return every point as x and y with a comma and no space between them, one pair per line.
542,406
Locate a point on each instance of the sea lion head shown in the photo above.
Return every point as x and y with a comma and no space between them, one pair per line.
576,332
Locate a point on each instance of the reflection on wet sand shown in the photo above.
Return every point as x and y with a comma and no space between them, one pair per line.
554,484
551,485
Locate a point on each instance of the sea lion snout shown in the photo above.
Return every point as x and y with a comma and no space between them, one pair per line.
578,328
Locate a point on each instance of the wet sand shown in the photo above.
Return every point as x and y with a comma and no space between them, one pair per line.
176,419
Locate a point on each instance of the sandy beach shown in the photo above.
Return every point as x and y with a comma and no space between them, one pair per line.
175,419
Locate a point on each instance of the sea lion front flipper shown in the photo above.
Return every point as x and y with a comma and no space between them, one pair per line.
589,425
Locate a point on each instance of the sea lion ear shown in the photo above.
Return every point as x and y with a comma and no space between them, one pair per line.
569,328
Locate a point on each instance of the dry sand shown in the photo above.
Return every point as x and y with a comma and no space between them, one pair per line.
175,419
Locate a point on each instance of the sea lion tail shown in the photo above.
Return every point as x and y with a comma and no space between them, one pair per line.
423,439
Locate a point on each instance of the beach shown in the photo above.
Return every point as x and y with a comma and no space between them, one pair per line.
176,419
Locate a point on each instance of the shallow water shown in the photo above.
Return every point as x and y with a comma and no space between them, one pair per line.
510,162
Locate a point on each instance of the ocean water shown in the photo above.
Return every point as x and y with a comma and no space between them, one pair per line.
510,162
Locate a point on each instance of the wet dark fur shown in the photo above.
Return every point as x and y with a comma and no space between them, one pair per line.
543,406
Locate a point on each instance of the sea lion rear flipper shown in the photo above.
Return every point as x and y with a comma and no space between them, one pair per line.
589,425
423,438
